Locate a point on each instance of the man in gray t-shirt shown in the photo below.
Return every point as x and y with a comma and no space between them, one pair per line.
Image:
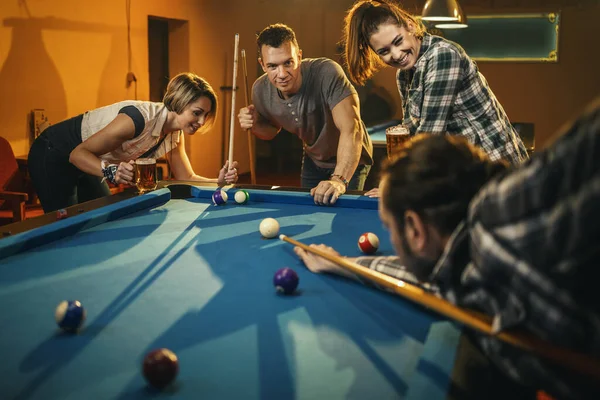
313,99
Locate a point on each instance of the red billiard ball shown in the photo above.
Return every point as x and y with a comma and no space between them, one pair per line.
368,243
285,280
61,214
160,368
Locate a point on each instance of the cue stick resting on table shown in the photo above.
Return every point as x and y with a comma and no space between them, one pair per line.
233,92
250,137
576,361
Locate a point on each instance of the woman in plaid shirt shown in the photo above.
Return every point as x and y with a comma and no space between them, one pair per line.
441,88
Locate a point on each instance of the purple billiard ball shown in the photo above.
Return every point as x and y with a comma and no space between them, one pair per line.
160,368
285,280
219,197
70,315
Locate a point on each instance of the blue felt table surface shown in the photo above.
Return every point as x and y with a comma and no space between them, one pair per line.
197,278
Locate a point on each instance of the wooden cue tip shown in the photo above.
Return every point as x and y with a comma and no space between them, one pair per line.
282,237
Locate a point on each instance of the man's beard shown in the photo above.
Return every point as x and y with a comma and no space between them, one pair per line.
420,266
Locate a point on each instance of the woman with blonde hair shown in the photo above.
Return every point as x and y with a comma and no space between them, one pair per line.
71,161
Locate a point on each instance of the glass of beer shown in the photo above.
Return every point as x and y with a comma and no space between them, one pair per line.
145,174
395,136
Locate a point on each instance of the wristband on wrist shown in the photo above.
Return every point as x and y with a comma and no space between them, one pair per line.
109,171
341,179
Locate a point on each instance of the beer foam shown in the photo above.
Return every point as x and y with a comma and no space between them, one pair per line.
145,161
397,130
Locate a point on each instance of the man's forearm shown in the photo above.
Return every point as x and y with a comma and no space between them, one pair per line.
348,153
264,130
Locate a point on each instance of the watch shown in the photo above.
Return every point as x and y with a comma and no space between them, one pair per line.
109,171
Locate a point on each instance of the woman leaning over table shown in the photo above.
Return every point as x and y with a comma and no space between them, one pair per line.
70,161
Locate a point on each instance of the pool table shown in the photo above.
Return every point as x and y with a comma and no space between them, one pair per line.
170,269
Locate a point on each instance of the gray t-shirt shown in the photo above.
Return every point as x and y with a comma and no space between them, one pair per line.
307,113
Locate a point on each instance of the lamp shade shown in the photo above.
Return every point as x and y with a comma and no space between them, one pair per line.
442,10
460,23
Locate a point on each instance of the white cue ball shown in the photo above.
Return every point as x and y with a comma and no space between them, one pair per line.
269,228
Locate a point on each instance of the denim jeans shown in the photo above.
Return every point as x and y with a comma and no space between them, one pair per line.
312,174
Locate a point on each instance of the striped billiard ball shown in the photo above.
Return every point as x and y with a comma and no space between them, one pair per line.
70,315
368,243
241,196
219,197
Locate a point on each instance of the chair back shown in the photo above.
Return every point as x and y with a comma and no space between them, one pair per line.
9,169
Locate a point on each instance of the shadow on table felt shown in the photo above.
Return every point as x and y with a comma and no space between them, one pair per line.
105,244
341,306
153,219
216,215
148,392
258,211
59,349
332,304
55,352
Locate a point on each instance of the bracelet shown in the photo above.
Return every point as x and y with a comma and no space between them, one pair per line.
341,178
109,171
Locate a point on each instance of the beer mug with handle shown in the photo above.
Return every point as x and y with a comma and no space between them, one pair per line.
395,136
145,174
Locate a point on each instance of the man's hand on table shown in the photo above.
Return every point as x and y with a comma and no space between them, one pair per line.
327,192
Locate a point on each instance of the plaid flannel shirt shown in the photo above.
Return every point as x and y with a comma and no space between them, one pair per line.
390,265
445,93
528,255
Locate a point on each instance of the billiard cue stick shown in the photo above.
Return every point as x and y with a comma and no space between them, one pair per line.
250,137
233,92
563,357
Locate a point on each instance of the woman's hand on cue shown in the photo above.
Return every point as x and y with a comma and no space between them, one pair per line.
228,175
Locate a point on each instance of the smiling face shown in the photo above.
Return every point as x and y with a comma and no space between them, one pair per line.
282,65
397,46
194,115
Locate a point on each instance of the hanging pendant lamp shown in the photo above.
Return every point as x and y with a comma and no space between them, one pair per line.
445,14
